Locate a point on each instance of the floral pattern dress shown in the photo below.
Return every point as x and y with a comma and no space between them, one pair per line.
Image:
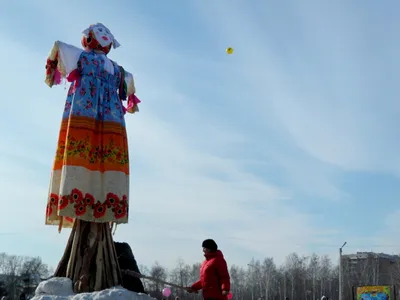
90,175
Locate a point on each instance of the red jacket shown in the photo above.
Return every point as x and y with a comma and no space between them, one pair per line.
214,277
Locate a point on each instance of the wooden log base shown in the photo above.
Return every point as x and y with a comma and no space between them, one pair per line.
90,259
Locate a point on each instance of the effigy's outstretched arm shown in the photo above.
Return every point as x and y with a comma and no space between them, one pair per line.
61,61
133,101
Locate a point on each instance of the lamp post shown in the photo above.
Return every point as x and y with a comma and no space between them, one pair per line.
341,272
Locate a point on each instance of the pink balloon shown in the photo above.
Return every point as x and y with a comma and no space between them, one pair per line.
166,292
230,296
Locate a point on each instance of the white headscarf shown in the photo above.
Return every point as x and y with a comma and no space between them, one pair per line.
102,34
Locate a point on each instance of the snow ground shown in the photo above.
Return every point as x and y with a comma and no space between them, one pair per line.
61,289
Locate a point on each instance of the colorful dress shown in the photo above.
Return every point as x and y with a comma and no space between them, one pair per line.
90,176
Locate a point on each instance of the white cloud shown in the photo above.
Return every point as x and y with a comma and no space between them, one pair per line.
327,99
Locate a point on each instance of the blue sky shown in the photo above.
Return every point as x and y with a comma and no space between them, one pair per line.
289,144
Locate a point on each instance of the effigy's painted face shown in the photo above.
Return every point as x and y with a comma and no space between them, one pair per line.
102,34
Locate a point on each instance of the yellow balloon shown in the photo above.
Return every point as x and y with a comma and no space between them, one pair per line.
229,50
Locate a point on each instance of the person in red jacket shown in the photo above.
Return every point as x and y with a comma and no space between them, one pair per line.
214,275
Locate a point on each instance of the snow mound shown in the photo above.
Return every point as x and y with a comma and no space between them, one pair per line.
61,289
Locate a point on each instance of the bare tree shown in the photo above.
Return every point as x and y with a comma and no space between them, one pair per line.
195,272
181,275
34,266
324,275
12,268
3,257
33,270
296,270
237,282
160,273
20,274
312,272
269,272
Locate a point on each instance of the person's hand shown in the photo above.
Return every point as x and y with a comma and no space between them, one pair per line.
225,293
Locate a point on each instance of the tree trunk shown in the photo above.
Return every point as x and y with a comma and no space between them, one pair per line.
90,259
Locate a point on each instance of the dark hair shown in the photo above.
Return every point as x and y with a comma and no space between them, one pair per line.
210,244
